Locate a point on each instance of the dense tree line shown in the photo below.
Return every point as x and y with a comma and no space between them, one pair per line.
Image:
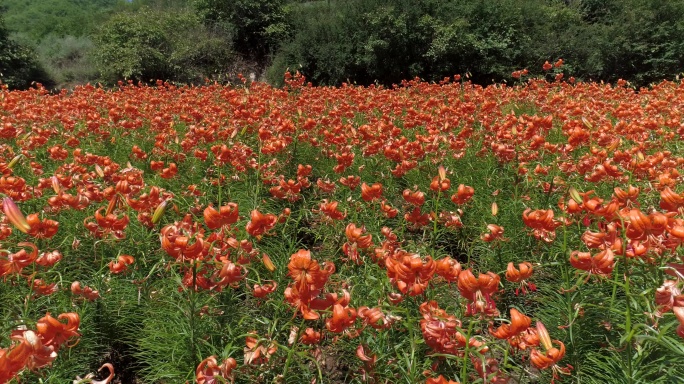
390,40
335,41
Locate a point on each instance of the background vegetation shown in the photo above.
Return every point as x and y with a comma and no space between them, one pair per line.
362,41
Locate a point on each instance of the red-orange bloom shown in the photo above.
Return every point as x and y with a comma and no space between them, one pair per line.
183,240
350,181
670,200
601,264
87,292
389,211
495,233
375,318
540,219
369,193
48,259
226,215
55,333
552,355
463,194
14,263
330,210
448,268
439,380
265,289
341,319
260,223
310,337
479,291
121,264
258,351
409,272
41,229
521,275
519,324
208,371
416,198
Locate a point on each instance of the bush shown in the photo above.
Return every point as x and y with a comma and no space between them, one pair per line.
386,41
148,45
67,60
18,69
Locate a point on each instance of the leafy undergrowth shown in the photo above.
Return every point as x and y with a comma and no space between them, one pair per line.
424,233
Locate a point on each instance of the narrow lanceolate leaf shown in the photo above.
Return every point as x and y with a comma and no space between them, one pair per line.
14,215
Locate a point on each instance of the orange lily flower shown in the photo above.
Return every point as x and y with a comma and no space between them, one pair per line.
496,233
520,275
409,272
121,264
369,193
463,194
601,264
519,324
478,291
551,356
330,210
416,198
440,380
341,319
258,351
310,337
260,223
448,268
209,370
55,333
226,215
264,290
350,181
14,263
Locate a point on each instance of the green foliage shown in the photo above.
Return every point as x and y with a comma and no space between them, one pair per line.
67,60
17,66
386,41
38,19
148,45
258,25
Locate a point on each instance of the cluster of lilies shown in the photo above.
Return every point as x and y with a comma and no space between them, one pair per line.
356,139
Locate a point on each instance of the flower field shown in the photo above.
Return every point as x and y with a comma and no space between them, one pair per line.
427,233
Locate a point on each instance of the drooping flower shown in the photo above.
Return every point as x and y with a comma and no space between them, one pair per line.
479,291
520,275
260,223
225,215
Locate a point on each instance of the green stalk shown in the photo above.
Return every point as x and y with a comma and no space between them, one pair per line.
464,367
628,321
434,227
568,299
192,315
219,187
292,349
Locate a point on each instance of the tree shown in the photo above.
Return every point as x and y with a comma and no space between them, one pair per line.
148,45
17,66
258,26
